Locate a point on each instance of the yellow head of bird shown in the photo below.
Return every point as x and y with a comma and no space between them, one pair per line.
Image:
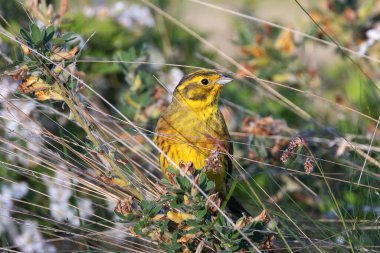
201,88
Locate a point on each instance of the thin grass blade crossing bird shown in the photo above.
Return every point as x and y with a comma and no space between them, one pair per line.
192,129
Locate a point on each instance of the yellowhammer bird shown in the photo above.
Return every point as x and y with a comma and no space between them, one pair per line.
192,128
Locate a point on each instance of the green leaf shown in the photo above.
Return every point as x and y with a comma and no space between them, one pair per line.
36,34
25,35
166,183
58,41
201,213
166,198
127,56
202,178
50,29
210,185
235,235
177,202
164,225
68,36
126,217
192,223
19,54
183,183
221,221
193,230
130,55
130,217
48,34
71,84
175,246
156,210
137,228
146,205
202,181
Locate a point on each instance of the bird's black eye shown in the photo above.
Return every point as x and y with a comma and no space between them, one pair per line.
204,81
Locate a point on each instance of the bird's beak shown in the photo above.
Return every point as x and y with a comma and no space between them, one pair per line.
223,80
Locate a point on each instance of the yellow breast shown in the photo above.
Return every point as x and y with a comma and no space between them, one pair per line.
196,155
188,141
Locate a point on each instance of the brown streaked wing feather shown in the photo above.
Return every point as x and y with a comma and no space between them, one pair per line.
227,144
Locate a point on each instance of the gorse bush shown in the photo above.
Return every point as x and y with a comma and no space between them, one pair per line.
83,86
184,216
